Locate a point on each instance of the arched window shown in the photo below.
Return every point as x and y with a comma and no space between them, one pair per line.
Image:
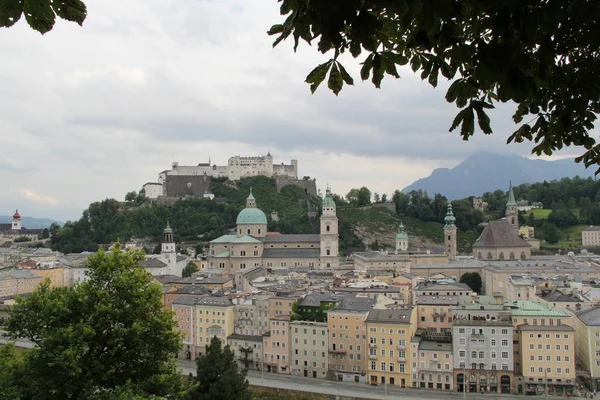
473,354
328,252
512,220
489,255
248,231
240,231
259,231
479,256
512,255
255,253
522,255
328,228
501,256
481,354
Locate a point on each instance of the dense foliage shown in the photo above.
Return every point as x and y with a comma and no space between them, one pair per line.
473,280
107,336
219,377
265,393
311,313
193,219
540,55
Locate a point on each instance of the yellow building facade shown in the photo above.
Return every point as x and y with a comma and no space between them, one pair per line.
389,333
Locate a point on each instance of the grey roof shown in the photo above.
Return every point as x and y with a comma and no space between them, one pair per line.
6,227
592,228
181,258
315,299
186,300
198,290
18,273
378,255
442,286
558,328
298,238
435,346
291,253
164,279
441,300
500,234
215,301
590,317
558,296
356,304
152,263
250,338
394,316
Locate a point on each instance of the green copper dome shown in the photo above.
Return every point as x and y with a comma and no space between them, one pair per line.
401,235
328,200
251,216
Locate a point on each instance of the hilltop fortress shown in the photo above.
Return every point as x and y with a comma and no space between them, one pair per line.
195,180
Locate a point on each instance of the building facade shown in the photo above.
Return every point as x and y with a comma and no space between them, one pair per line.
309,349
389,333
590,237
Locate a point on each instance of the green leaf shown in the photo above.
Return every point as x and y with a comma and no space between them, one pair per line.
10,12
454,90
345,75
275,29
482,118
71,10
336,81
39,15
367,65
317,75
378,70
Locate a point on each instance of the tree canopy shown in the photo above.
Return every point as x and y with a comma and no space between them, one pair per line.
473,280
218,375
541,55
107,337
41,14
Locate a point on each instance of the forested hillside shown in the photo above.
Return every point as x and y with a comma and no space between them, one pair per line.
193,219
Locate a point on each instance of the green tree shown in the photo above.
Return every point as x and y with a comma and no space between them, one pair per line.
473,280
131,196
218,375
540,55
12,373
383,198
45,233
189,269
352,197
41,14
364,196
107,334
550,232
22,239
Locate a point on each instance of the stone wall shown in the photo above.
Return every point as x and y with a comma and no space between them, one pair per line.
187,185
310,185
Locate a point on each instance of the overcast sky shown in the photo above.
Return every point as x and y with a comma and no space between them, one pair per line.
96,111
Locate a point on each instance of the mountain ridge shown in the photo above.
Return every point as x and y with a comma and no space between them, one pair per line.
486,171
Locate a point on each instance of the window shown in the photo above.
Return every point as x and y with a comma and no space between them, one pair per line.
383,365
493,354
473,354
493,342
462,341
504,342
461,353
505,354
373,365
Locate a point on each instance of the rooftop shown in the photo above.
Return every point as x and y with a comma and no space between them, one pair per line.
291,253
500,234
249,338
590,317
557,328
354,304
393,316
429,345
293,238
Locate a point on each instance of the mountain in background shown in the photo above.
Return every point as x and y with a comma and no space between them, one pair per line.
30,222
486,172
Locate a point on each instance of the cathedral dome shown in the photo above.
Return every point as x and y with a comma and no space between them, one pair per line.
328,202
401,235
251,216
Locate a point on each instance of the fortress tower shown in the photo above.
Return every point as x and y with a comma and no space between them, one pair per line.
329,257
450,233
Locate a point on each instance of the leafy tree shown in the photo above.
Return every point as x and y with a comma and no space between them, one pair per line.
383,198
540,55
22,239
550,233
11,373
131,196
189,269
364,196
376,198
41,14
107,334
473,280
352,197
45,233
218,375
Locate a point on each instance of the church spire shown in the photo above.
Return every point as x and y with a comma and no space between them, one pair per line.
511,195
449,219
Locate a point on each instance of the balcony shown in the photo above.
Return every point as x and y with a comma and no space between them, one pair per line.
401,347
372,345
337,351
372,357
402,358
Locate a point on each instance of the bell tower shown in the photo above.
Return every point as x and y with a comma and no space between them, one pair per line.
329,252
16,221
511,213
450,233
401,239
168,252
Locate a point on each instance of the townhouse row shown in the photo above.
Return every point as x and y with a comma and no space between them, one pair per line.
453,343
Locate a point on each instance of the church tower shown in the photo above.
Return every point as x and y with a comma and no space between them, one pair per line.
16,221
401,239
329,253
450,233
168,252
511,213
